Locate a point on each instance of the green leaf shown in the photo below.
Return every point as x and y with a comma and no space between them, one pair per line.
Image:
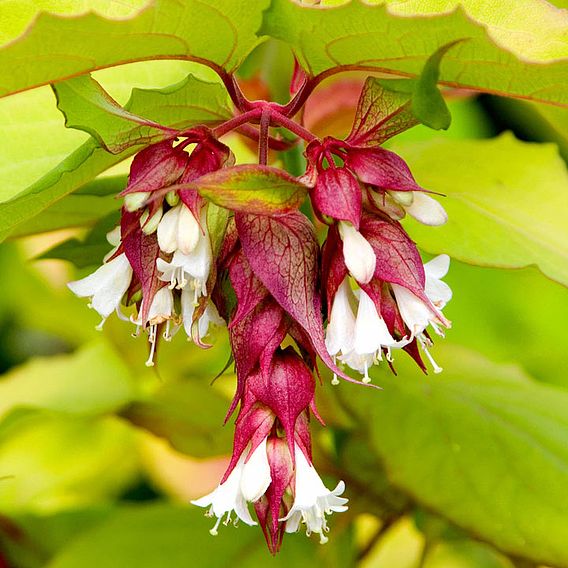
252,189
182,105
189,415
507,202
481,445
87,106
223,33
56,462
428,103
94,201
91,381
516,48
144,535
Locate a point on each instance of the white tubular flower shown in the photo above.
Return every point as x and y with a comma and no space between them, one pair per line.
426,210
226,498
416,314
106,286
341,327
256,474
178,230
312,500
371,335
358,254
438,292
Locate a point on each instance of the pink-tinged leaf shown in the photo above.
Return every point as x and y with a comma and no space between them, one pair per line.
283,252
156,167
302,435
381,114
333,269
337,194
381,168
142,251
254,340
390,313
252,189
250,291
207,157
398,260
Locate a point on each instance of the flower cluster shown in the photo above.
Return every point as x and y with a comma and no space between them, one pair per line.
286,300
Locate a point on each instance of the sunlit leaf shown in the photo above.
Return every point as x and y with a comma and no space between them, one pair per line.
516,48
507,202
87,106
223,33
189,102
481,445
73,462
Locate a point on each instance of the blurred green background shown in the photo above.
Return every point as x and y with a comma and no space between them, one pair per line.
99,455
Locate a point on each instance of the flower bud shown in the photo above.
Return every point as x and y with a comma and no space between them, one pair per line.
172,197
134,201
359,256
404,198
150,225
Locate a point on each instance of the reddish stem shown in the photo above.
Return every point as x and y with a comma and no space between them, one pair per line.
273,143
235,122
263,136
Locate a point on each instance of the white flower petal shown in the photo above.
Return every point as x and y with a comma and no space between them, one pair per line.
312,499
371,332
437,267
162,306
168,230
427,210
106,285
414,312
188,230
358,254
256,474
341,327
227,497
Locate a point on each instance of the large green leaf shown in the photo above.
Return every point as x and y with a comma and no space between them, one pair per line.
190,102
507,202
52,462
83,208
513,47
149,535
87,106
91,381
481,444
59,46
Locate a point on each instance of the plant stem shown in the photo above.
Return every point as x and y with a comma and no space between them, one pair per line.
263,136
281,120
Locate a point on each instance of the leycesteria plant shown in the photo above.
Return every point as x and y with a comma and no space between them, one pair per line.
203,242
267,206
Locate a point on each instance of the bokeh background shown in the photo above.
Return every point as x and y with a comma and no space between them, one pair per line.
99,455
